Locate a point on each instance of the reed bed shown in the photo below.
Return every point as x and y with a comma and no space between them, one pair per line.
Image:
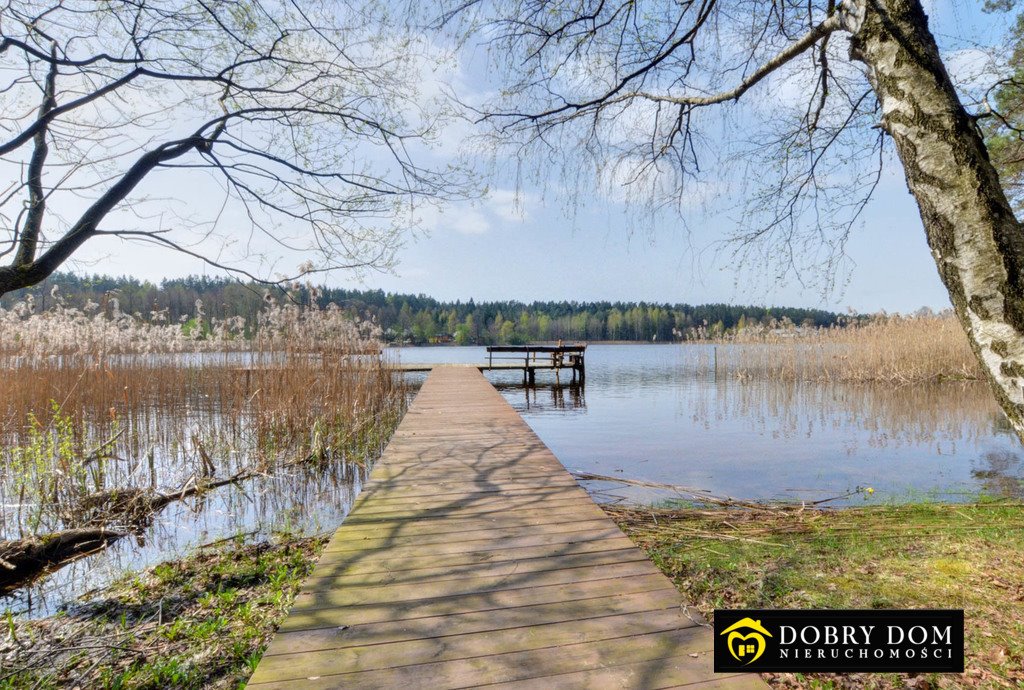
102,412
884,348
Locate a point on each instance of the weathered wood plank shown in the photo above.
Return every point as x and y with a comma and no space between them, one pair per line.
677,671
430,534
321,591
341,635
507,569
395,492
473,523
473,558
439,647
390,561
434,509
311,616
511,666
570,533
381,501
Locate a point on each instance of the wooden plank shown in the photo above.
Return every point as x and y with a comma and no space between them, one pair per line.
446,523
508,569
380,493
524,349
434,534
441,544
679,671
473,558
507,667
502,365
469,485
392,561
324,593
395,491
340,635
311,616
434,648
430,508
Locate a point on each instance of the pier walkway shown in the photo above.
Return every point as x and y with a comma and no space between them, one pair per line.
472,558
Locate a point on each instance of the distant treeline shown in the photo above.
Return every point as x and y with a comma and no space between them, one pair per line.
421,319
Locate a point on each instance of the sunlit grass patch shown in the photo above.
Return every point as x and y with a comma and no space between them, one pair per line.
909,556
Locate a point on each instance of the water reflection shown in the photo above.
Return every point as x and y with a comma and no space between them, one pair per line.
545,396
1001,473
656,413
305,500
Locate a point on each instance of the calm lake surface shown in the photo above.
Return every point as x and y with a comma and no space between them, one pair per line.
651,412
648,412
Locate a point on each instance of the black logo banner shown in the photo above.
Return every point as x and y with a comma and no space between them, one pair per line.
839,641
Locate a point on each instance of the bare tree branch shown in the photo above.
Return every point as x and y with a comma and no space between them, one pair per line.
309,113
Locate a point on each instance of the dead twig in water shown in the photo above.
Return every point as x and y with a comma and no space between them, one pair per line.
703,496
697,494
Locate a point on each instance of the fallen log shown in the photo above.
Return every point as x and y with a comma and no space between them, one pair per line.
23,560
129,509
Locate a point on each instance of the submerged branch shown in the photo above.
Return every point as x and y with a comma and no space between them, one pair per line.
23,560
703,496
697,494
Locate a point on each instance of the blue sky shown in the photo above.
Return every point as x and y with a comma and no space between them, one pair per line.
522,242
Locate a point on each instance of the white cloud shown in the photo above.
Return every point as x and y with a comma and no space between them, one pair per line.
463,219
468,221
508,204
499,207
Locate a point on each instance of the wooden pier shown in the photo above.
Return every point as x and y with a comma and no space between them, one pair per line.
472,558
528,359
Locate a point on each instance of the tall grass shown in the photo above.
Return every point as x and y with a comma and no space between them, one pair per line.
890,349
96,400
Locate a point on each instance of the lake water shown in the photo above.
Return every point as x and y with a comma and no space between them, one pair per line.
652,412
648,412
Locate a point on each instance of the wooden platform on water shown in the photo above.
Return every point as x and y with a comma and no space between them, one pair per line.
472,558
528,359
481,366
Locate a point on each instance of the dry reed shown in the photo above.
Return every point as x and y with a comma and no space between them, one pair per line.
885,348
96,400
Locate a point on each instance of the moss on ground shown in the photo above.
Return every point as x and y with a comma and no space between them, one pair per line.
202,622
913,556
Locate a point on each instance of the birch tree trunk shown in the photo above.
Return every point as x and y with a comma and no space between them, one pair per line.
975,239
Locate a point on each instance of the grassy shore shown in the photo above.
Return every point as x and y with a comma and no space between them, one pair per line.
204,621
201,622
913,556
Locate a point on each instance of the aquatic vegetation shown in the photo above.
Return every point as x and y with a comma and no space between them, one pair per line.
884,348
106,418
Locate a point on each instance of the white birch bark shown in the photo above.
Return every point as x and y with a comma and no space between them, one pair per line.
976,241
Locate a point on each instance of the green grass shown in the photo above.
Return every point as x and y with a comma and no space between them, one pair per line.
912,556
201,622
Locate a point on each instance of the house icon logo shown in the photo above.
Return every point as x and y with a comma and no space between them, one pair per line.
746,647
